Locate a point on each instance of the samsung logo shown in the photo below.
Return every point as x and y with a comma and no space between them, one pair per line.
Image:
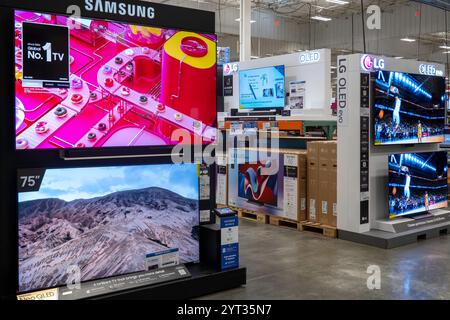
120,8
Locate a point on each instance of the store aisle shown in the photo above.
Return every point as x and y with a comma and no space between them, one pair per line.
285,264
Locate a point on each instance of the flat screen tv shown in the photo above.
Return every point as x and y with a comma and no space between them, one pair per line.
105,221
84,83
258,183
417,183
408,108
262,88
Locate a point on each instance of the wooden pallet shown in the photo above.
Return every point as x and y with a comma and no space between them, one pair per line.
284,223
252,215
327,231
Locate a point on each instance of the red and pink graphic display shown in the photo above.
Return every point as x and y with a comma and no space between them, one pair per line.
129,86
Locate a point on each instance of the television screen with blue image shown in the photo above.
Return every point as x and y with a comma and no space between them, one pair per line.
417,183
408,108
262,88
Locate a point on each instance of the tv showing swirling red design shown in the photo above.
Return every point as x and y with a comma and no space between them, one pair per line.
258,184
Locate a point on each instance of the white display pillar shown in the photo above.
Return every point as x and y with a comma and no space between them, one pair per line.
363,167
245,32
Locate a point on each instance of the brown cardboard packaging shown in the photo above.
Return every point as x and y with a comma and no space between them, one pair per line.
303,216
332,200
322,182
332,220
324,190
313,213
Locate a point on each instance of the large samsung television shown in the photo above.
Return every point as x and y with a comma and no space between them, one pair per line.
408,108
417,183
104,221
258,183
82,83
262,88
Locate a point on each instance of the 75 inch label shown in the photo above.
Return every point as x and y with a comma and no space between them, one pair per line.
29,180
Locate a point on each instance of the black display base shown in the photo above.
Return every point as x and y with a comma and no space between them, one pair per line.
387,240
204,281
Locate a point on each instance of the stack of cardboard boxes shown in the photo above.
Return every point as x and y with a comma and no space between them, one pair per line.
309,184
295,182
322,182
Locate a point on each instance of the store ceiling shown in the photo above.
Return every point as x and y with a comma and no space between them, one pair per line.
443,4
301,10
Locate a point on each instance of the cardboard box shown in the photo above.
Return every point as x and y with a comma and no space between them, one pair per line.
324,188
302,194
332,200
266,193
295,184
322,184
313,213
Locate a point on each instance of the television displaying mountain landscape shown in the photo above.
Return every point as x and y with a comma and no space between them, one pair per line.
105,222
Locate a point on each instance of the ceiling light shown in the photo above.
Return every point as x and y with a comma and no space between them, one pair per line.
398,58
338,2
239,20
446,52
333,67
445,47
320,18
408,40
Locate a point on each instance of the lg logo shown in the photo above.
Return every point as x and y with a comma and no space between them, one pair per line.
230,68
369,63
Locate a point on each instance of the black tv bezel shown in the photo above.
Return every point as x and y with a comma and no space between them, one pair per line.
12,160
410,215
372,89
186,20
120,163
264,108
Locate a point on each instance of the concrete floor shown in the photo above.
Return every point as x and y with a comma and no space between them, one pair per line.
287,264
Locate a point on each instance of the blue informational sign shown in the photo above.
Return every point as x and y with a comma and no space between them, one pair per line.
262,88
230,242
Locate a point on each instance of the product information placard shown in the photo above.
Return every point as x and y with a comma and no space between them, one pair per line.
45,52
229,242
297,95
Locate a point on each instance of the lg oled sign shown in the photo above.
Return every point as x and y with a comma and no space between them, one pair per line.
370,63
309,57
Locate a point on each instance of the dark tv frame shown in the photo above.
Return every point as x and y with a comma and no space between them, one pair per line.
261,203
265,108
12,160
372,88
166,16
410,215
106,166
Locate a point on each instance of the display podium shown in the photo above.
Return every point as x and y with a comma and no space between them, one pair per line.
363,208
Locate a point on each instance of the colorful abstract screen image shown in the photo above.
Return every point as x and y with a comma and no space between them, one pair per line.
127,85
105,222
408,108
262,88
258,183
417,183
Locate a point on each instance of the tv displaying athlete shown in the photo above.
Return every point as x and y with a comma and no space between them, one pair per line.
407,192
417,183
408,108
419,132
